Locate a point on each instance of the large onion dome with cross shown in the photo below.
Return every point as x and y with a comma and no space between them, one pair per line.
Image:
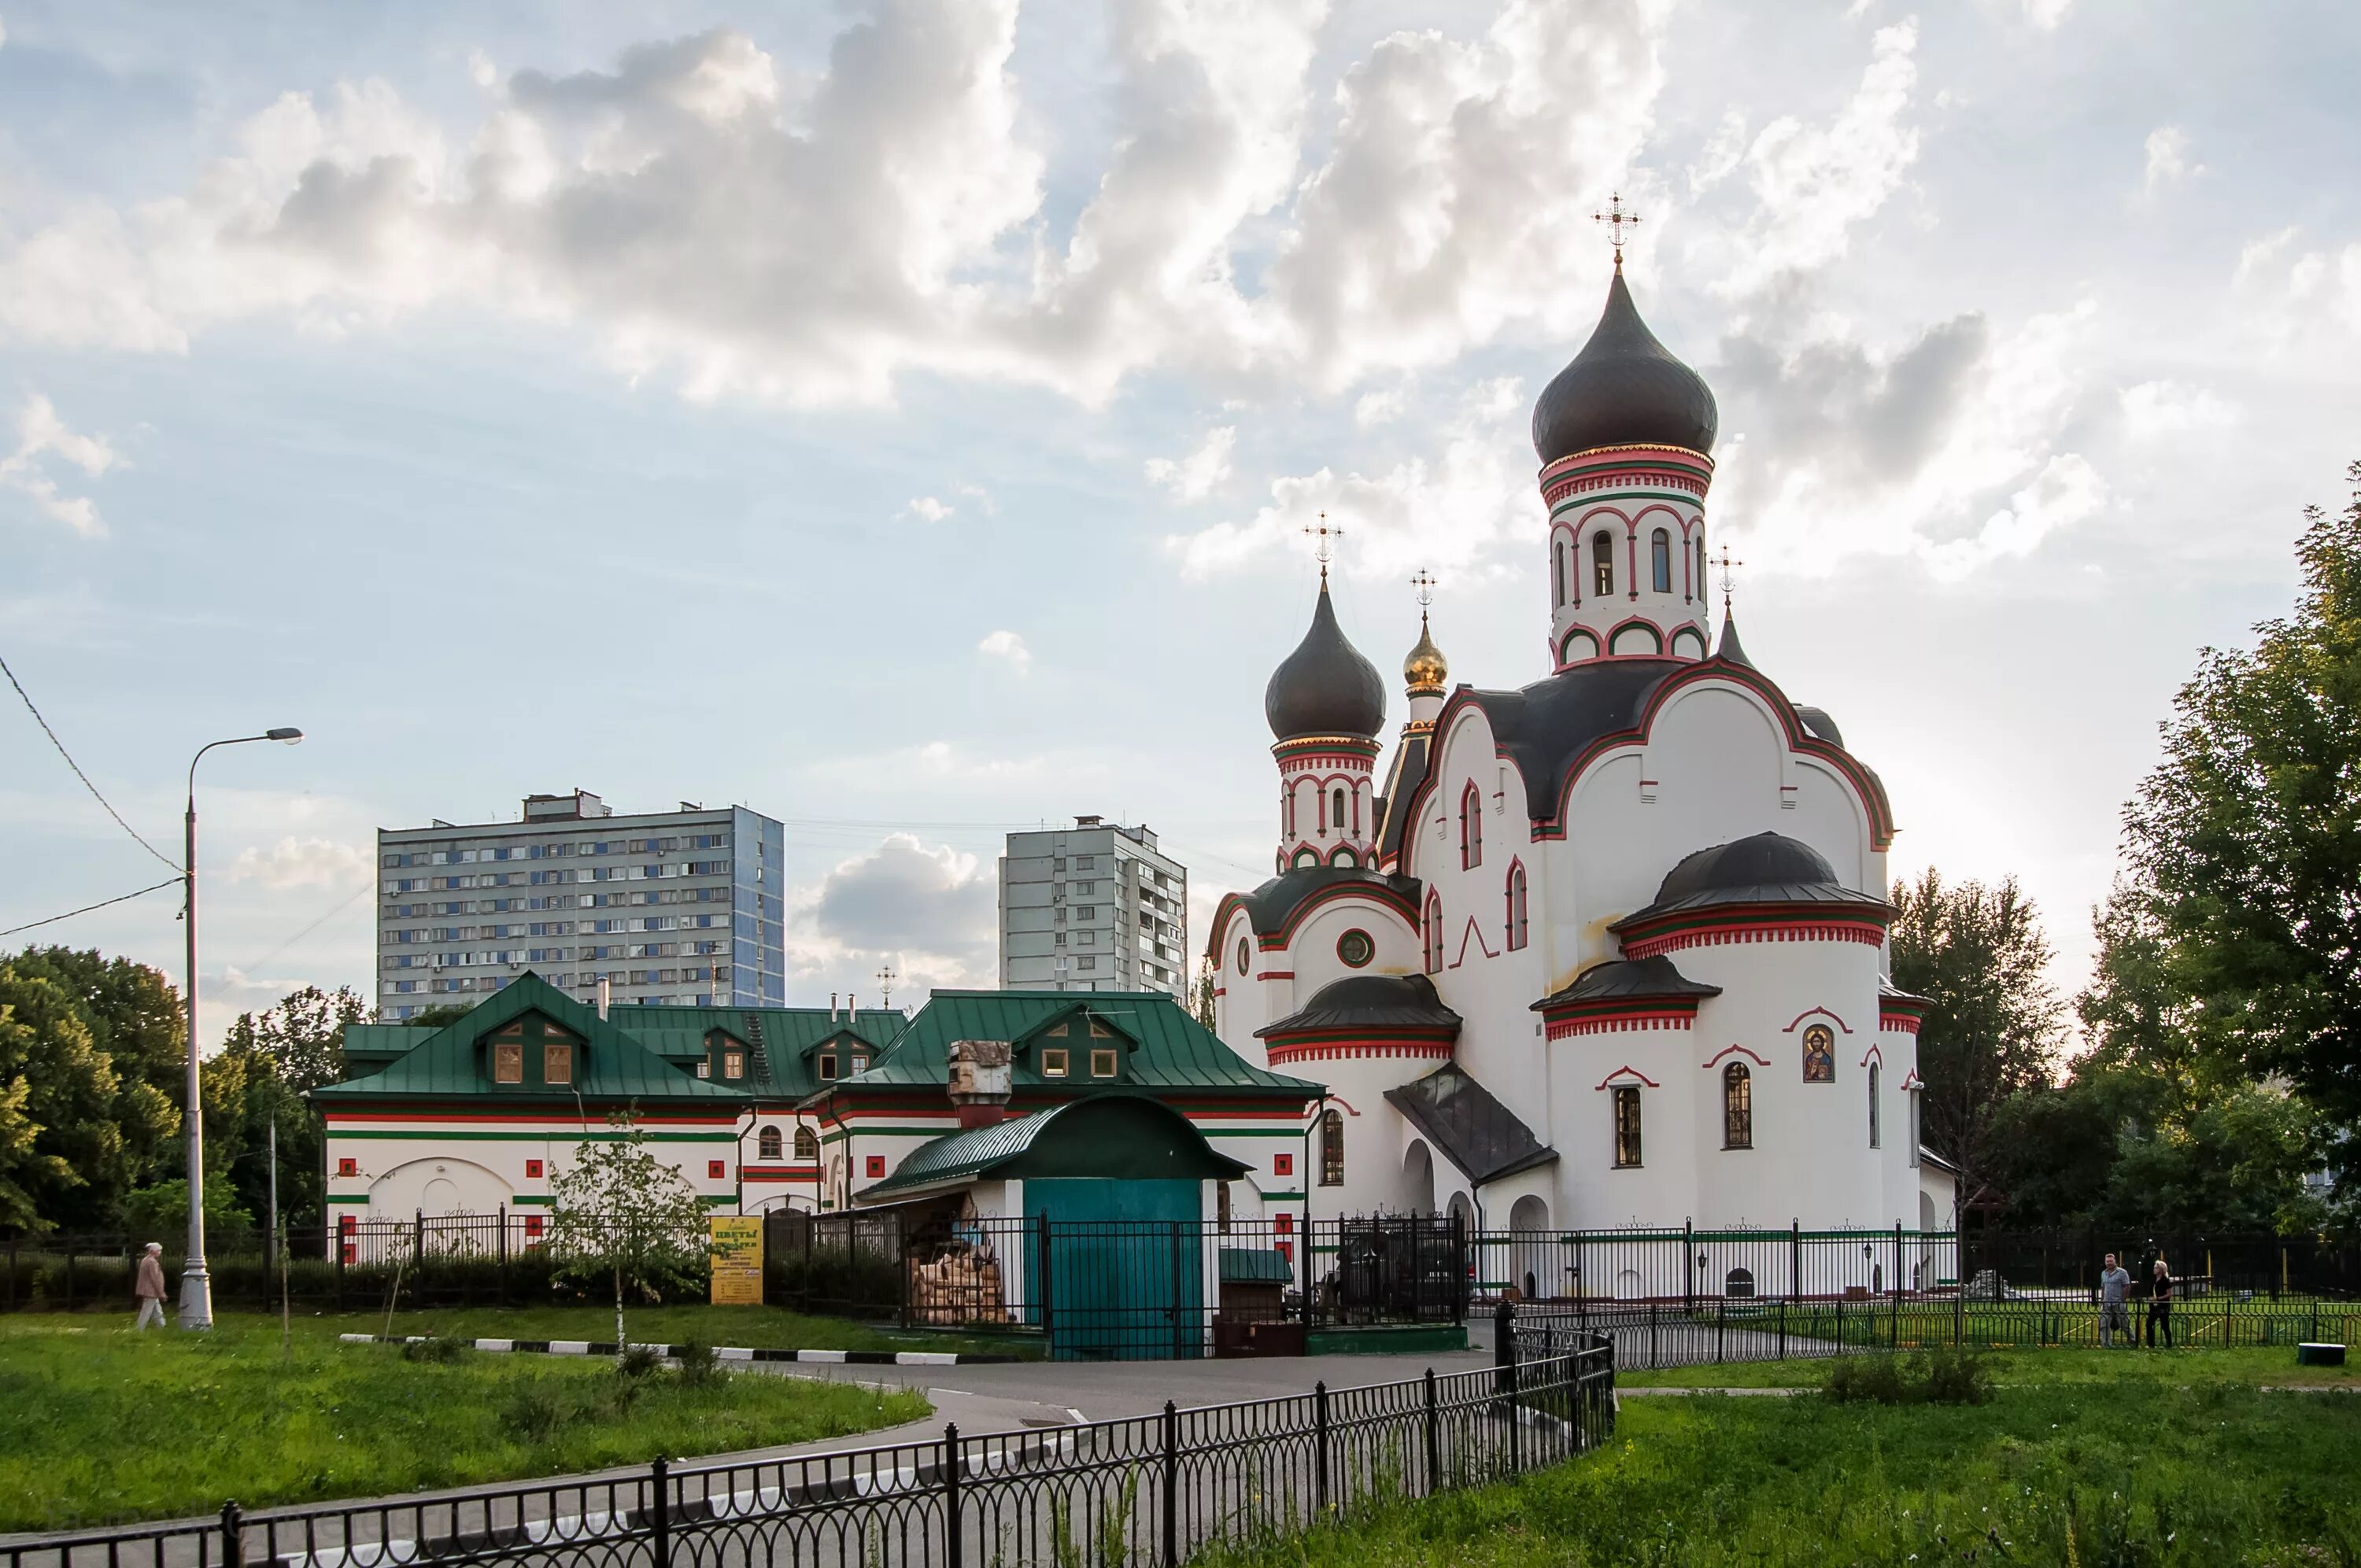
1325,703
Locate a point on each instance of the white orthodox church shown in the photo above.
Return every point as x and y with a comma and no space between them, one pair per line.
1607,948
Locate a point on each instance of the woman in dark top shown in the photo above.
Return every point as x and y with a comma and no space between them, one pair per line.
2160,1304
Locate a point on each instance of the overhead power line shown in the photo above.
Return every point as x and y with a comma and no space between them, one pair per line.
168,882
61,745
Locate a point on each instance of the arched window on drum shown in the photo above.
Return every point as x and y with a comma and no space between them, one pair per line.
1602,564
1660,562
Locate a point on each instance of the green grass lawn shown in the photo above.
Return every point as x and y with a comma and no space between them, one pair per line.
2079,1459
102,1425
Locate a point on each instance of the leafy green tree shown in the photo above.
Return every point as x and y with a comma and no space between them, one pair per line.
620,1216
160,1214
1993,1024
81,1159
437,1014
2245,845
134,1016
270,1060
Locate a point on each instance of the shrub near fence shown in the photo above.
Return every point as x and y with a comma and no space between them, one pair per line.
94,1273
1149,1490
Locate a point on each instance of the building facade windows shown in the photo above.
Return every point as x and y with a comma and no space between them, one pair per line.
507,1061
1627,1126
1518,921
1660,562
1331,1147
768,1145
1873,1129
806,1144
1471,828
1433,934
1602,564
1053,1062
557,1063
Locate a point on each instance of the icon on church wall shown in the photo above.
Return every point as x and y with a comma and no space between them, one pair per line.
1819,1055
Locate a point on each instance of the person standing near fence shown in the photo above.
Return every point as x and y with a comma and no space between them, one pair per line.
149,1287
2160,1304
2114,1313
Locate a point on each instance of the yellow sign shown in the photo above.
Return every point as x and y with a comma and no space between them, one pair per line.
737,1260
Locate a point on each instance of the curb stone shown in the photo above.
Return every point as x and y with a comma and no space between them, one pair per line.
726,1352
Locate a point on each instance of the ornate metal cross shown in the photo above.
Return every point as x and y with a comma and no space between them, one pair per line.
1616,220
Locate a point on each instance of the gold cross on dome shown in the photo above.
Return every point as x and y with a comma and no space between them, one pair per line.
1616,220
1326,551
1728,567
1424,583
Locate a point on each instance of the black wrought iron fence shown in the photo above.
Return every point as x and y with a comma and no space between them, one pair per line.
1149,1490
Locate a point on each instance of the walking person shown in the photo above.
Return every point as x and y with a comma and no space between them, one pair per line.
2115,1309
149,1287
2160,1304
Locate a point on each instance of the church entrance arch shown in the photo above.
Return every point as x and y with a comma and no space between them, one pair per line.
1532,1262
1417,1178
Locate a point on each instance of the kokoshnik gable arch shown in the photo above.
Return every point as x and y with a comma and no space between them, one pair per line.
1609,947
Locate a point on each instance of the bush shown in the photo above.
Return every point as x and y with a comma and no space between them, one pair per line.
639,1360
533,1414
436,1349
700,1364
1939,1377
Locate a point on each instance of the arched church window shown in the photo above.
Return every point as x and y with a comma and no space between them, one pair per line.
1602,564
1332,1149
1660,561
1737,1107
1699,587
1873,1104
1471,829
1627,1126
1517,923
1557,571
767,1145
1433,934
1337,809
806,1144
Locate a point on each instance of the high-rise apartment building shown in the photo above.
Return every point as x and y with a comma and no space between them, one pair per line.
1093,907
682,907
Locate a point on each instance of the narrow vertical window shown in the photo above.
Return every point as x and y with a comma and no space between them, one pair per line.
1660,561
1627,1126
507,1061
1332,1149
1737,1107
1336,807
1517,925
1602,564
1874,1068
1319,809
556,1064
1557,573
1471,829
1700,566
1433,934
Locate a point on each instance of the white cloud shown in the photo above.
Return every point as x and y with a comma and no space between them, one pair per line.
2155,409
1450,512
1814,183
2167,158
41,433
2295,290
1009,646
1193,479
926,508
1381,407
301,862
2066,491
2047,14
928,910
666,206
481,71
979,496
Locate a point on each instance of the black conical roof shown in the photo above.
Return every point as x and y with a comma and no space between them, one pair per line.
1765,859
1324,687
1729,647
1623,389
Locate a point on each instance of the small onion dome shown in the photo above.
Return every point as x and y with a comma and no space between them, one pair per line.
1764,861
1326,687
1425,669
1624,389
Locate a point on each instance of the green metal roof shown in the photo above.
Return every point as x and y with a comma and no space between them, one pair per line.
1255,1265
369,1047
613,1066
1119,1136
1163,1047
786,1065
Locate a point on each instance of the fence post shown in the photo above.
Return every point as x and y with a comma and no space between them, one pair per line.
1651,1336
1041,1290
233,1536
659,1513
951,1539
1508,1375
1795,1257
1433,1447
1688,1267
1320,1447
1171,1488
1958,1305
1782,1328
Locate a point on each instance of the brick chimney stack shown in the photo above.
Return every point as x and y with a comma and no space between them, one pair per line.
981,1081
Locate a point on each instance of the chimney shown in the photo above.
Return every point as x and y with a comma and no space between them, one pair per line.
605,992
831,1007
851,1008
979,1081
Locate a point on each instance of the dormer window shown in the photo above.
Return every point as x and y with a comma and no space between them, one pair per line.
1053,1062
1100,1031
507,1061
826,1066
733,1064
1056,1031
704,1066
1102,1064
557,1063
860,1061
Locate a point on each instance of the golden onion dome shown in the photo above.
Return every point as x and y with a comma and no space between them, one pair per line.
1425,669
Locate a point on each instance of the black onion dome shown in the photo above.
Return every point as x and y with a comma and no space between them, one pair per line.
1766,859
1624,389
1324,687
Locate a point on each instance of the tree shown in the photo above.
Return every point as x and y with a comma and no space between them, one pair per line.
160,1214
437,1014
88,1126
618,1215
134,1016
1992,1024
2245,845
271,1061
1201,995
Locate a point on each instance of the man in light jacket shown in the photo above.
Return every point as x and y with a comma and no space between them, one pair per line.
149,1286
2114,1310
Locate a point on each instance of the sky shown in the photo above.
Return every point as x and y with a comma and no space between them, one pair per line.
899,416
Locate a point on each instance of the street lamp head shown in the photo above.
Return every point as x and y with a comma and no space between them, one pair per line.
287,733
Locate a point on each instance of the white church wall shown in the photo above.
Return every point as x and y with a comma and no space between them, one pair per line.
1240,1007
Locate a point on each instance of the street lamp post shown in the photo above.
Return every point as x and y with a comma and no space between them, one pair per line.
196,1283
